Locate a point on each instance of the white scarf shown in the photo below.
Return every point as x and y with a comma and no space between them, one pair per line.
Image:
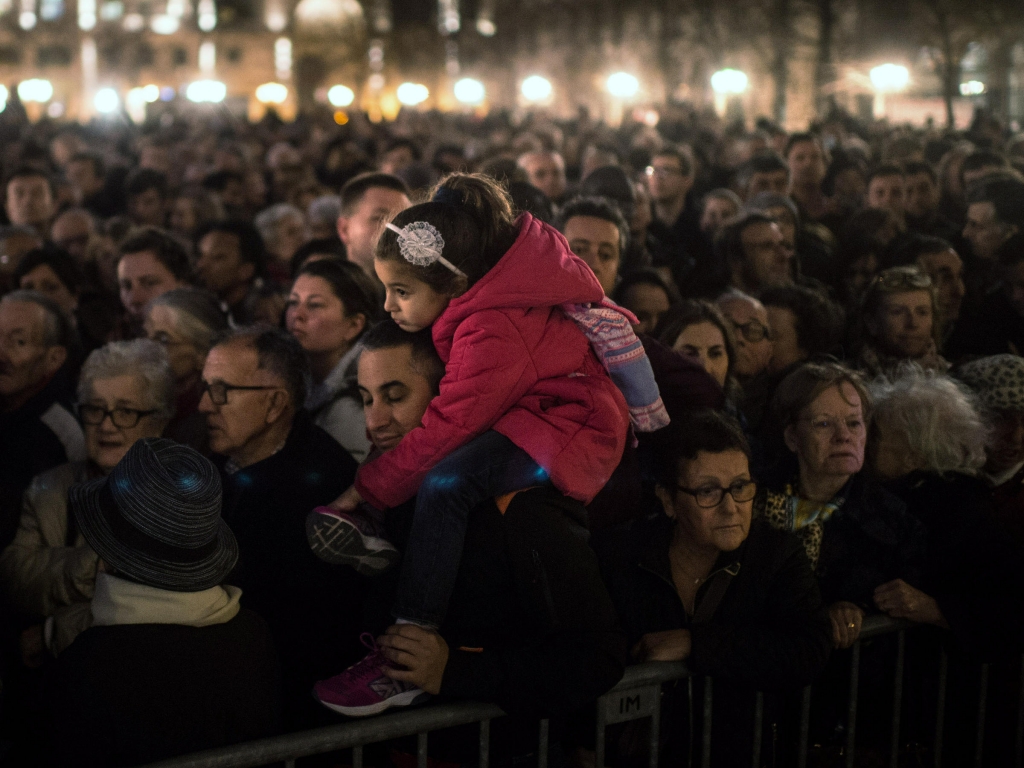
118,601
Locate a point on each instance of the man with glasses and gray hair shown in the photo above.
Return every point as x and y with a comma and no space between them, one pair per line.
275,466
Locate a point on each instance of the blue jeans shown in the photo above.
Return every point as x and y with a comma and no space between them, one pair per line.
489,466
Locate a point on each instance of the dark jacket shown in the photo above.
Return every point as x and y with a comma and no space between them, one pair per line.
131,694
530,625
40,435
870,540
311,607
971,569
768,632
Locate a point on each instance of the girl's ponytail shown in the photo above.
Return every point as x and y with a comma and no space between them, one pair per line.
489,204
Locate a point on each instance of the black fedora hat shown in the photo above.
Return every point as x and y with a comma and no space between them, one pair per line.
156,518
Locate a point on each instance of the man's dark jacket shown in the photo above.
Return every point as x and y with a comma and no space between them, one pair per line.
311,607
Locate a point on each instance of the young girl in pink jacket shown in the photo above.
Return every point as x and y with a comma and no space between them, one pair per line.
524,401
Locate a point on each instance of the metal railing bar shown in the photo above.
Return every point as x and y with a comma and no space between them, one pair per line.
805,727
897,698
758,728
336,737
599,743
290,764
851,712
357,757
940,708
542,744
485,744
979,744
421,750
705,759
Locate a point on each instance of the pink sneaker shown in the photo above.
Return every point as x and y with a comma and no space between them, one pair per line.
363,689
353,539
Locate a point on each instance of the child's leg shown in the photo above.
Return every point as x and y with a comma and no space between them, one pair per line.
489,466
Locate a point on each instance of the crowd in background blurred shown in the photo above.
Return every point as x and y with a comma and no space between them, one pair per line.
835,319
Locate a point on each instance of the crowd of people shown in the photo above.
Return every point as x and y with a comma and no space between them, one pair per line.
306,419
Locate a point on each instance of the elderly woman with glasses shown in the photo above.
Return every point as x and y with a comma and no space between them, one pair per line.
899,322
125,393
708,583
856,534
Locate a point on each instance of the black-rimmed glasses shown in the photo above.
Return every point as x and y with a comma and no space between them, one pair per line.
711,496
122,418
218,390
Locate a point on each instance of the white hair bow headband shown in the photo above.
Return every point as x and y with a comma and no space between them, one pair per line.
421,244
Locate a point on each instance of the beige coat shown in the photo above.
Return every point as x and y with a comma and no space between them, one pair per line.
39,572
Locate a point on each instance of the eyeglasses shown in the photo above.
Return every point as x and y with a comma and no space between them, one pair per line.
754,331
662,171
218,390
122,418
897,278
711,496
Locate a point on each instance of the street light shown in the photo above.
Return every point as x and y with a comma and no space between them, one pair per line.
972,88
536,88
411,94
35,90
106,101
889,78
470,91
211,91
272,93
623,85
730,82
341,96
150,93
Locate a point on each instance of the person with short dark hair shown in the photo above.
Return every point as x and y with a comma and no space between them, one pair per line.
29,199
172,663
805,325
808,163
317,250
887,189
922,204
145,193
368,201
598,234
944,266
645,293
275,465
232,263
72,231
53,273
87,174
752,250
545,169
702,580
676,225
399,155
766,171
152,262
980,164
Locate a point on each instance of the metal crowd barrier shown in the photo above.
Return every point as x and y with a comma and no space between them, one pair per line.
637,696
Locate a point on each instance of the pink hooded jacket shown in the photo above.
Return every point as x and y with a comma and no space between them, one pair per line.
516,364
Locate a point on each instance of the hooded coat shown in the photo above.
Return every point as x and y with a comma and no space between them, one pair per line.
516,364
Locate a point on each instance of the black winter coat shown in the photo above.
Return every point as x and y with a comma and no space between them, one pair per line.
132,694
768,632
311,607
971,569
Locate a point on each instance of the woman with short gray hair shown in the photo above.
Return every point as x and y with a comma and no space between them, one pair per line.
125,393
283,229
928,442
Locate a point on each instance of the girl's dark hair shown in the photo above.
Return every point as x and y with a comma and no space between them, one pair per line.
477,222
62,263
350,284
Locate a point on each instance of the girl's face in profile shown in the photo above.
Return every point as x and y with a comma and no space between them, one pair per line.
412,304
